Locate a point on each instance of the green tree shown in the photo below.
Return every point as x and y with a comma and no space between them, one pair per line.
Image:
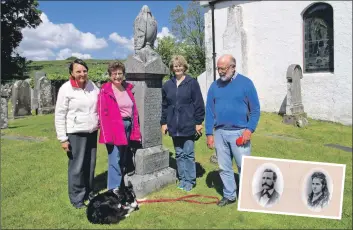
189,29
15,15
71,58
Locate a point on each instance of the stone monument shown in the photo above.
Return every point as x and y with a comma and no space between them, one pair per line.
295,114
35,99
45,97
145,70
4,107
21,99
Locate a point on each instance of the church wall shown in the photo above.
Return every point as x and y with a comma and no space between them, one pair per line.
273,38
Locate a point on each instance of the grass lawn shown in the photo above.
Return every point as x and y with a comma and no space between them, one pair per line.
34,180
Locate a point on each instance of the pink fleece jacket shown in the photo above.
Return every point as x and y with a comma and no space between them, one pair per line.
112,129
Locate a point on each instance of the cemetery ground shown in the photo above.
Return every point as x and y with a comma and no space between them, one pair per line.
34,179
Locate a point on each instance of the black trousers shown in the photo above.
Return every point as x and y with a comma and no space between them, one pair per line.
82,164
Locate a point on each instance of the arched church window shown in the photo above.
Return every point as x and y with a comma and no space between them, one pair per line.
318,38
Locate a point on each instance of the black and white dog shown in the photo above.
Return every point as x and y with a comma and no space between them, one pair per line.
110,207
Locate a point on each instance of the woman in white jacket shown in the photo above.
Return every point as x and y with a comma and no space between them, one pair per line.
76,124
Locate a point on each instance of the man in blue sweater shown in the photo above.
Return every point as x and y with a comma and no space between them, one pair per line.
232,111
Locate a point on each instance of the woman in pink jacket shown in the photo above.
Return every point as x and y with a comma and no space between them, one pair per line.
118,117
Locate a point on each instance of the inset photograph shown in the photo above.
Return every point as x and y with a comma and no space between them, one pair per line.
267,185
318,190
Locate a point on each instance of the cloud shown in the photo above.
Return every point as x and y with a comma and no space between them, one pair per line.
122,41
38,55
164,33
126,45
65,53
50,36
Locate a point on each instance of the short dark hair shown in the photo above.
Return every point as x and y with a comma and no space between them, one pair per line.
274,173
77,61
116,65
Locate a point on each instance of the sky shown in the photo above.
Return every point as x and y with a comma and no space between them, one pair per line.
90,29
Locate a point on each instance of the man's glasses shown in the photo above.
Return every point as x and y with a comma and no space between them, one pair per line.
224,69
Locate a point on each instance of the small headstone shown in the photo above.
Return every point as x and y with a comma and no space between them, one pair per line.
295,114
21,99
45,102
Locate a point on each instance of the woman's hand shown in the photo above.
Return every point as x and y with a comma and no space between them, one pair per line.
65,145
198,129
164,129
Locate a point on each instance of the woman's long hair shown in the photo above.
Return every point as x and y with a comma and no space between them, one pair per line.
323,199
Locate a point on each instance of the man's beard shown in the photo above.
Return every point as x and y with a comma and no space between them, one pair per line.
225,78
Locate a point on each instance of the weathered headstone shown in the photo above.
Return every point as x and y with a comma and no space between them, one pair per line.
45,102
4,108
29,80
21,99
295,114
35,99
145,70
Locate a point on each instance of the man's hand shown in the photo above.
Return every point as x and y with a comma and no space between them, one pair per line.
246,136
65,146
198,129
163,129
210,141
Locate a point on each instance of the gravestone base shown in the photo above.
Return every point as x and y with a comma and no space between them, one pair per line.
148,183
299,120
46,110
152,159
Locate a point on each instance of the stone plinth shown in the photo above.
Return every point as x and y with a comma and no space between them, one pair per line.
152,171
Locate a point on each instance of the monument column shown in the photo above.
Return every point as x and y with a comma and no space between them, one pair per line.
145,70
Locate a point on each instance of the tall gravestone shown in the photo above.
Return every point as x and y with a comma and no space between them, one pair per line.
21,99
146,70
36,89
4,108
45,96
295,114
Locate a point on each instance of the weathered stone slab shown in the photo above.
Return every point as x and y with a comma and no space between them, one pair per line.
46,102
20,138
295,114
341,147
21,99
4,113
281,137
36,89
148,183
151,159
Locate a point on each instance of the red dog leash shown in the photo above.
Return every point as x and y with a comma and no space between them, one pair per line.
183,198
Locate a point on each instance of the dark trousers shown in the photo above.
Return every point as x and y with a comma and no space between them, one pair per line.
82,164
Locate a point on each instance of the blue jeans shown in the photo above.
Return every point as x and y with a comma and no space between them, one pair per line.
185,159
116,160
226,149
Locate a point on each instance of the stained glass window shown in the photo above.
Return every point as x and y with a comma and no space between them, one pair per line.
318,38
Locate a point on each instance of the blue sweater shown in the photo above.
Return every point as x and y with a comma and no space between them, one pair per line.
233,105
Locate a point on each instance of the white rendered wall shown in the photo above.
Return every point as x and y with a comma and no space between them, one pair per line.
274,38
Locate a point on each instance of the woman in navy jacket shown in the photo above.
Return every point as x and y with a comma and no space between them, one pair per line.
183,111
